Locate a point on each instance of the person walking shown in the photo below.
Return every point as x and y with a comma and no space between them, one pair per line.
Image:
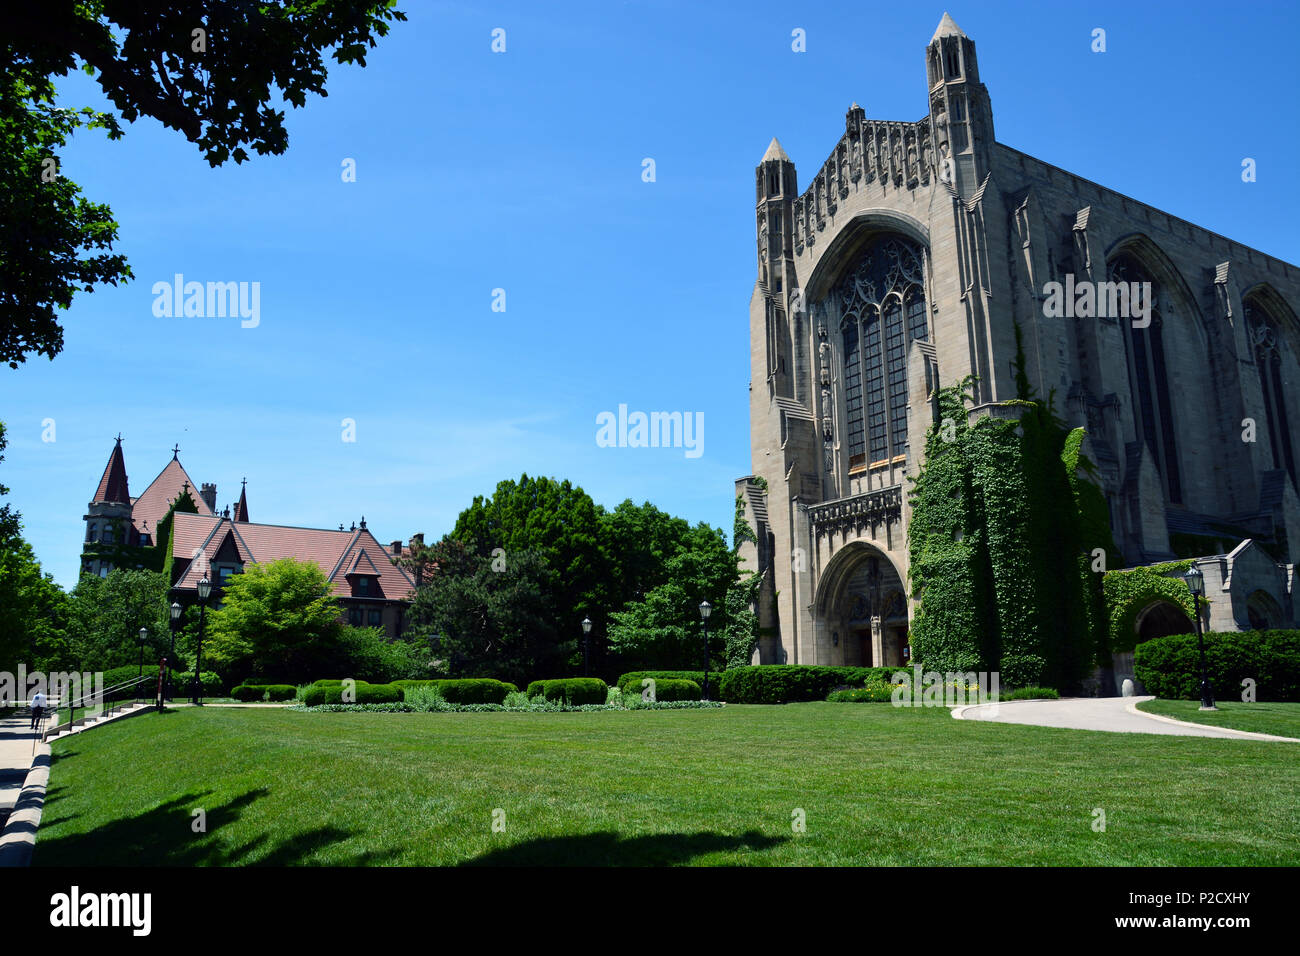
38,708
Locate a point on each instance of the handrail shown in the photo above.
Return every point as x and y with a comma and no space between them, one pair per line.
117,688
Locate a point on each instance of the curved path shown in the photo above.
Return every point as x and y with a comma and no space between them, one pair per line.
1113,714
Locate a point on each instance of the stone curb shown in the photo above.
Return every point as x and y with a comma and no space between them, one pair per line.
19,837
958,712
1132,708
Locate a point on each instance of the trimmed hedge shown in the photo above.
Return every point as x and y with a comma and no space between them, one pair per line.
1170,667
630,683
785,683
676,689
467,690
255,692
331,693
1031,693
572,690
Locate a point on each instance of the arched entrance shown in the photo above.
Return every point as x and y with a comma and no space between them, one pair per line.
862,606
1262,611
1160,619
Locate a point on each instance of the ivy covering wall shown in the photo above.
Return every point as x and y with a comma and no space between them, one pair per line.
1001,526
1129,593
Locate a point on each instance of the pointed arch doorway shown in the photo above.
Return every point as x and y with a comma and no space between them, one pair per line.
862,606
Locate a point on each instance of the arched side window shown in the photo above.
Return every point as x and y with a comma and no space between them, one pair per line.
1266,341
882,310
1148,378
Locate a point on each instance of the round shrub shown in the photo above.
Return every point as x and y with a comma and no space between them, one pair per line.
1170,667
318,694
630,683
256,692
673,689
571,690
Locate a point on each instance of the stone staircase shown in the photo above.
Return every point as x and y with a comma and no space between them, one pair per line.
109,713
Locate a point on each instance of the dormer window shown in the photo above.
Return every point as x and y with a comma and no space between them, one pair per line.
363,585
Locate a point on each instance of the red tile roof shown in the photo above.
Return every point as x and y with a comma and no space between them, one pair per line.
335,552
112,486
152,505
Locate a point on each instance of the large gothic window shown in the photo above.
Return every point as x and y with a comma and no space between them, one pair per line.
1266,341
1148,379
882,309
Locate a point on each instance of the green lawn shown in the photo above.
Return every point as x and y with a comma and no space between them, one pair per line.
878,785
1280,719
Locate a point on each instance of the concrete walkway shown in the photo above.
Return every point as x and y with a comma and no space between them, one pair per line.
1113,714
24,771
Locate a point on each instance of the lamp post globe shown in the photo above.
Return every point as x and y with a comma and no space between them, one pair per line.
586,647
705,610
144,635
205,591
1196,584
171,647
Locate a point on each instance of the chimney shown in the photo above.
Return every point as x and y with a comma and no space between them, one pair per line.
209,495
417,537
396,548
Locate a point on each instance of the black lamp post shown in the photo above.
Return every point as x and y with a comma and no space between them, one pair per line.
205,590
705,610
1196,584
586,647
171,650
144,635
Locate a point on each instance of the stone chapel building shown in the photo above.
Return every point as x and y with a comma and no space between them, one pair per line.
907,263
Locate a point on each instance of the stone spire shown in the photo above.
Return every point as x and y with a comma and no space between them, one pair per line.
113,486
775,152
947,28
241,509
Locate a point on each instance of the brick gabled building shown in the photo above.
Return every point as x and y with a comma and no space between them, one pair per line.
122,531
372,590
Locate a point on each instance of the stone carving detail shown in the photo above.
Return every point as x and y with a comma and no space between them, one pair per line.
901,154
865,511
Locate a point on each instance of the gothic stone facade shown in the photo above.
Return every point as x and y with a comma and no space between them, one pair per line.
907,264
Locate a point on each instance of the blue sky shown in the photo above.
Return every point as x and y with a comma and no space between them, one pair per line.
522,171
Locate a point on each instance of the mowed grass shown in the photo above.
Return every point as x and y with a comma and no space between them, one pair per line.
1262,717
876,785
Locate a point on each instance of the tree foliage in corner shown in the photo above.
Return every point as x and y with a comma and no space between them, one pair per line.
211,70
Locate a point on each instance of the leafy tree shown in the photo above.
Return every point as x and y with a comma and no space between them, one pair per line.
105,616
33,609
557,521
496,621
664,630
278,622
211,70
365,653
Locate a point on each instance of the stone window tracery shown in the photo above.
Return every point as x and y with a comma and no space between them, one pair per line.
1266,342
882,309
1148,377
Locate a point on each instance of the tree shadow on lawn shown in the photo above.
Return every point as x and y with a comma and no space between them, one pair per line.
607,848
164,836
